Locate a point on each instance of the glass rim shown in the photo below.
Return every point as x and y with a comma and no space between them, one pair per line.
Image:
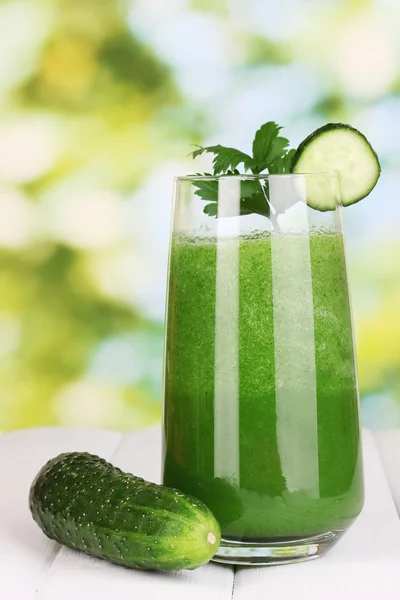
183,178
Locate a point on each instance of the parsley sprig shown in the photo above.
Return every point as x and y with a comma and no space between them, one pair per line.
270,154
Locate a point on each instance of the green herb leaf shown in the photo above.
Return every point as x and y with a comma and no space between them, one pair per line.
256,204
282,164
253,197
270,152
207,189
225,159
211,209
268,146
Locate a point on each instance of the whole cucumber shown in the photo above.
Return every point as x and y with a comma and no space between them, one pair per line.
84,502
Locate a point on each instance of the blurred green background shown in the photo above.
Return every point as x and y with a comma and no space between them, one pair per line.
99,103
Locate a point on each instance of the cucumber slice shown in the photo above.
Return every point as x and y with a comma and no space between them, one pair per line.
341,148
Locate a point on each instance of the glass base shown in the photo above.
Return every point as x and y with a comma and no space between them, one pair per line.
275,551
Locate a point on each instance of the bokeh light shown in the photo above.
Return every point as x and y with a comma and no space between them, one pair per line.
99,105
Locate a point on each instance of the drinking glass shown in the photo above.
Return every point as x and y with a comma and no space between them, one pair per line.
261,408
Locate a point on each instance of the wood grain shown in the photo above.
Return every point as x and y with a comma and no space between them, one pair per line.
388,443
26,555
74,575
364,564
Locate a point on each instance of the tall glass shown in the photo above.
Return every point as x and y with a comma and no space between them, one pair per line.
261,410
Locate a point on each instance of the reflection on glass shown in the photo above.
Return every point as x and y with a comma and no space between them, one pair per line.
226,362
261,403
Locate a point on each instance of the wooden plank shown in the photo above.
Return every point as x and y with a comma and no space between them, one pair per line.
388,442
364,564
74,575
25,553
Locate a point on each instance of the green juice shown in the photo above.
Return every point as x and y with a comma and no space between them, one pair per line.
261,406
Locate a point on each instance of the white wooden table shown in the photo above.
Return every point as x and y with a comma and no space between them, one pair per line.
365,564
